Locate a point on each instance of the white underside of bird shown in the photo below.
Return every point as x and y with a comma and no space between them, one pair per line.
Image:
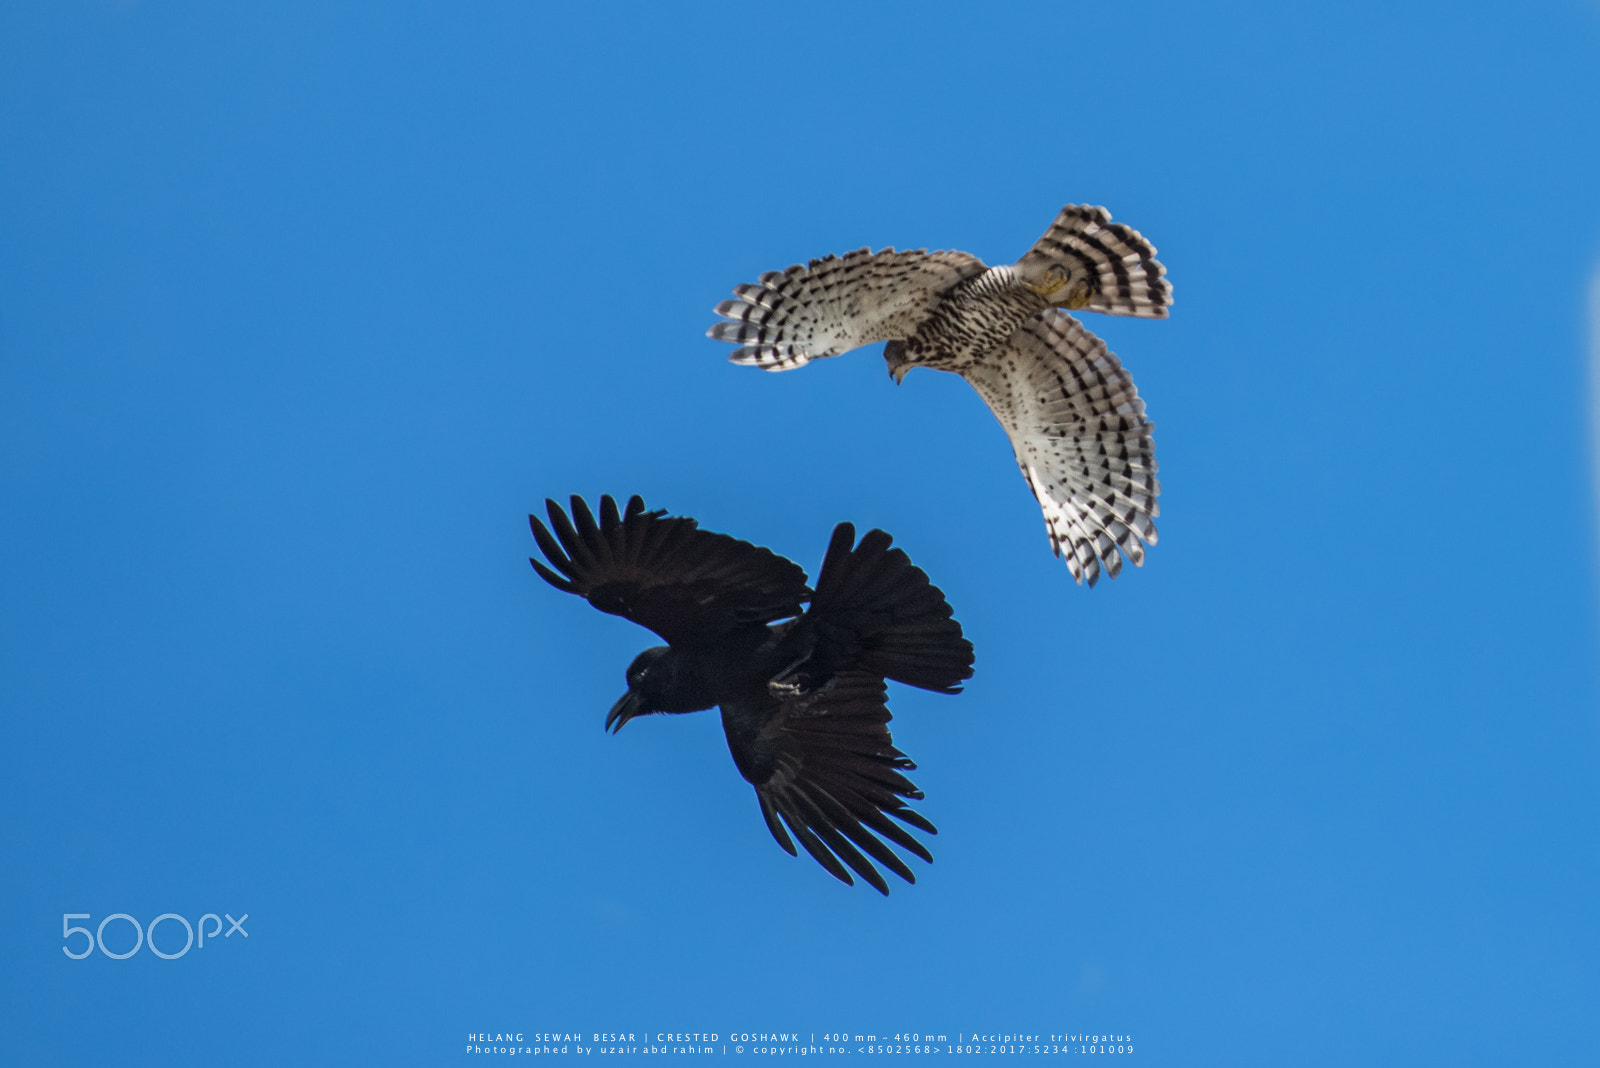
1070,409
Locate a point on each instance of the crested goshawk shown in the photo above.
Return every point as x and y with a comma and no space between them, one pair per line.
1075,421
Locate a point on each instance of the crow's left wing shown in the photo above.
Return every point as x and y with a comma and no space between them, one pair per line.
663,572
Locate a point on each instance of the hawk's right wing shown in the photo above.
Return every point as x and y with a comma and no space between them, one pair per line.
1081,437
664,572
836,304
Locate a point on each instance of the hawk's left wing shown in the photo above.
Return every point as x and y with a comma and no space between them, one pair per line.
1081,437
836,304
823,765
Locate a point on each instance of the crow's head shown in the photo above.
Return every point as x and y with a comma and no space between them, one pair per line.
652,682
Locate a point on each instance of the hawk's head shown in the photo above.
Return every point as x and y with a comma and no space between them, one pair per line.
894,354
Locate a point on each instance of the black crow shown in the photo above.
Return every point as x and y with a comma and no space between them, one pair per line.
803,700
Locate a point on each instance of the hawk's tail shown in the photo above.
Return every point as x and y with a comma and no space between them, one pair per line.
874,607
1113,265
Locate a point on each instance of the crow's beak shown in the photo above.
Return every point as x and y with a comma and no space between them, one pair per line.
628,706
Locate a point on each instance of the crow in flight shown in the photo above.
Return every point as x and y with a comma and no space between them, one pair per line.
801,688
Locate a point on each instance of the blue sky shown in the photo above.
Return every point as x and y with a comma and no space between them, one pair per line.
303,308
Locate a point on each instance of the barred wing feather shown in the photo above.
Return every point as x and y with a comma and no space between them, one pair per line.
836,304
1111,266
1081,438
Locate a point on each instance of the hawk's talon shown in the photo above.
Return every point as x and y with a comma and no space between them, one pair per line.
1055,278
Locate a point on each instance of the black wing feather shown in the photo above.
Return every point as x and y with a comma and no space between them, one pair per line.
876,610
663,572
824,762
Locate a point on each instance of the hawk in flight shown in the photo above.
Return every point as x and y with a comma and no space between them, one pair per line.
801,689
1075,421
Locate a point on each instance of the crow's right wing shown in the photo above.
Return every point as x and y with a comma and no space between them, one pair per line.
823,765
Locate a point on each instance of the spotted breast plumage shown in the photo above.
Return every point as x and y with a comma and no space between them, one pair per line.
1071,411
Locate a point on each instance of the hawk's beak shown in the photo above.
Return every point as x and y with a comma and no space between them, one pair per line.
628,706
899,373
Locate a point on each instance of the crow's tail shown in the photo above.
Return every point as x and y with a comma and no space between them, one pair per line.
875,610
